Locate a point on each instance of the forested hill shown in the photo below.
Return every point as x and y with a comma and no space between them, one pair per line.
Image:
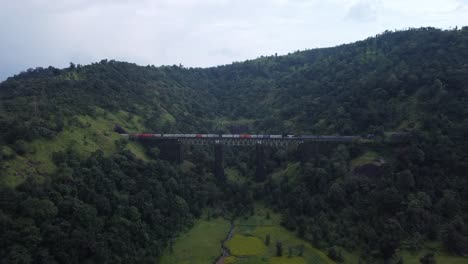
56,187
395,80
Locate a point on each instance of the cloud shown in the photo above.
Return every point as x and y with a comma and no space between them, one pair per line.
364,11
195,32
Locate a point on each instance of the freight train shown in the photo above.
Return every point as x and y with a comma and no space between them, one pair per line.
240,136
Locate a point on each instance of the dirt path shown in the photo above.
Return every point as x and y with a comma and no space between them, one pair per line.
225,249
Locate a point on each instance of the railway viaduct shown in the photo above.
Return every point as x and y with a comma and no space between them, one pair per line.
171,146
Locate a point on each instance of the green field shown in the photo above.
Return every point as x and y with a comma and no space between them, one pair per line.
200,245
241,245
256,227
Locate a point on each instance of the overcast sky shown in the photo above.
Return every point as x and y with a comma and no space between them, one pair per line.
198,32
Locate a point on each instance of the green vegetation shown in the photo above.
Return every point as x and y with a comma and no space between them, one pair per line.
367,158
286,260
440,253
233,175
200,245
248,243
246,246
84,135
290,171
120,207
414,257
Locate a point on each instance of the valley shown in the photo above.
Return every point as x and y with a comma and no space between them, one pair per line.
72,190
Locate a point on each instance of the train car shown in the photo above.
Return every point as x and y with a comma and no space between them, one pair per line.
309,137
144,135
245,136
260,136
276,136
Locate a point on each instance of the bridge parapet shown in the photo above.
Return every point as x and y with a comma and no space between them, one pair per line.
239,142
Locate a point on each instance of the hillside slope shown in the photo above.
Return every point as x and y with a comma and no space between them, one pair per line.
403,80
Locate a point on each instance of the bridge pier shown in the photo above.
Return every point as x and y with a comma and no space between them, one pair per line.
171,150
260,172
219,162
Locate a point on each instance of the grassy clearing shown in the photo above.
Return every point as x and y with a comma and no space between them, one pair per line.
230,260
264,222
241,245
14,172
200,245
366,158
286,260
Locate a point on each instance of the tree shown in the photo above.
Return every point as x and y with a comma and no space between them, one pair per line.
6,153
267,240
390,238
154,152
337,195
301,250
405,180
428,259
39,209
279,249
335,254
21,147
449,205
171,246
453,239
18,255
